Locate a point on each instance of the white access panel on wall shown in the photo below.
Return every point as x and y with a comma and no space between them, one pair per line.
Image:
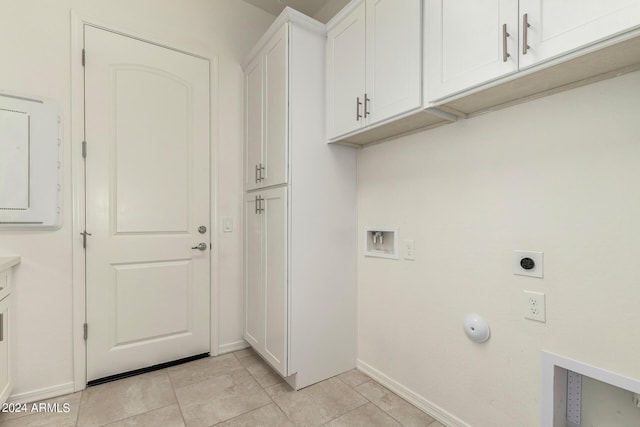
30,173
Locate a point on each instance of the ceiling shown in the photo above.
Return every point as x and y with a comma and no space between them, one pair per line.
274,7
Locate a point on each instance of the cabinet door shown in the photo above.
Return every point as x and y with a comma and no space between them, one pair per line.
275,278
253,123
5,362
558,27
466,41
253,290
346,74
394,57
276,95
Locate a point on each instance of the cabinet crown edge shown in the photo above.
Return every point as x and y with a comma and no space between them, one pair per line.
343,13
288,15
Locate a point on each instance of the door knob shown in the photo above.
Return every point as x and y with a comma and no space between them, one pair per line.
202,246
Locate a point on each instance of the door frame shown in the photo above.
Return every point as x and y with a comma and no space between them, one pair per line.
78,188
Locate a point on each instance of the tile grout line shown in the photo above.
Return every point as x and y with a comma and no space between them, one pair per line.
374,404
371,380
367,399
173,389
258,382
348,412
239,415
265,389
163,371
79,406
271,401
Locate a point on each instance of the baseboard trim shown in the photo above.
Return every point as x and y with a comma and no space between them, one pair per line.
412,397
233,346
42,394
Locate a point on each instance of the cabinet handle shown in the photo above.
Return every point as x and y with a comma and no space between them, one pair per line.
366,105
358,104
259,173
505,34
525,38
259,205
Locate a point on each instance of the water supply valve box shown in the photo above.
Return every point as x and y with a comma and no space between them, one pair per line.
381,242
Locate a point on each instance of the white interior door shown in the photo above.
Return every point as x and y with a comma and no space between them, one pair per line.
147,193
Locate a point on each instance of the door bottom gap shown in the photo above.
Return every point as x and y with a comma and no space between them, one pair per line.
140,371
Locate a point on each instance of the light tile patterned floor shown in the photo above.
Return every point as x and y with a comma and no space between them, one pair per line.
232,390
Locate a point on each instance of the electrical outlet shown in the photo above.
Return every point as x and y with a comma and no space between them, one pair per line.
409,250
535,306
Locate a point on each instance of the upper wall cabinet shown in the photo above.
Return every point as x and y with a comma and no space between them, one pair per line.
551,28
374,64
471,42
346,76
266,114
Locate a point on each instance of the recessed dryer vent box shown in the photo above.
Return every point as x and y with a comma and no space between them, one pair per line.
381,242
30,168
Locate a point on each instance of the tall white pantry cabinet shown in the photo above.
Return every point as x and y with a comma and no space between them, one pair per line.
299,210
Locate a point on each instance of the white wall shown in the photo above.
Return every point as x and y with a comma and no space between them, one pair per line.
558,175
330,9
35,41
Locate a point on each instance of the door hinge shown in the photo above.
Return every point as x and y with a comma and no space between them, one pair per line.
83,57
84,238
84,149
85,328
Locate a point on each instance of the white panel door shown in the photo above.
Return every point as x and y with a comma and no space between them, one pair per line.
467,44
266,289
558,27
253,137
346,66
275,234
394,57
276,96
147,193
